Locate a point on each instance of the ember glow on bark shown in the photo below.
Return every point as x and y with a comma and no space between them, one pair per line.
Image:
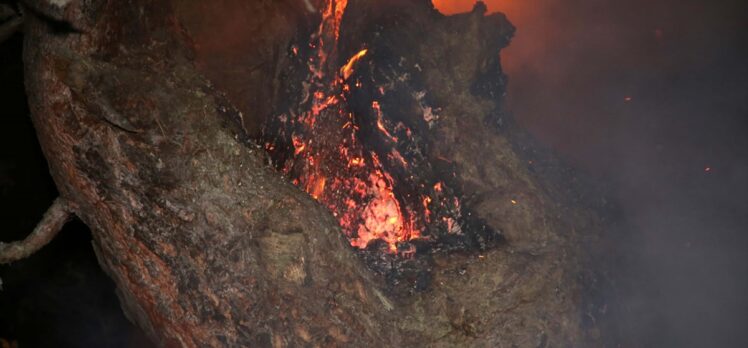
319,144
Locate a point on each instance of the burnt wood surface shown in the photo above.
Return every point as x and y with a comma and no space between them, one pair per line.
210,246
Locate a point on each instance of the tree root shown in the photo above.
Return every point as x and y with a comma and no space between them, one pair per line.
52,222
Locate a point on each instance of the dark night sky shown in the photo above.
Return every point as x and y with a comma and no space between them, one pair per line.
673,157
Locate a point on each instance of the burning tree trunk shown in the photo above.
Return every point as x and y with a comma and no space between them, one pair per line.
386,112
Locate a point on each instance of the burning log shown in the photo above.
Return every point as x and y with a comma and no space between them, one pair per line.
412,222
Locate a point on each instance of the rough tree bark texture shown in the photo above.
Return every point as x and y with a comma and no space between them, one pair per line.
209,246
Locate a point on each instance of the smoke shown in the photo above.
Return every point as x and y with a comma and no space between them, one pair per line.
650,97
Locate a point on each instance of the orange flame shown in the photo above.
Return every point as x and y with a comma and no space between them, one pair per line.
347,69
334,169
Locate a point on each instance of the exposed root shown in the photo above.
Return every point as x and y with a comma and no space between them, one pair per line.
52,222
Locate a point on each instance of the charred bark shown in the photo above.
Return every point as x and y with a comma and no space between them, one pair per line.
210,246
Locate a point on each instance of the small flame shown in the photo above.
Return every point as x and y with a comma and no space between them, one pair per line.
347,69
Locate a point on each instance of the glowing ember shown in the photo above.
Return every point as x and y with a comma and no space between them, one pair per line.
347,69
341,174
380,121
319,144
382,217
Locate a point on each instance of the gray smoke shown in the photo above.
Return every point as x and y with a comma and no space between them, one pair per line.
651,97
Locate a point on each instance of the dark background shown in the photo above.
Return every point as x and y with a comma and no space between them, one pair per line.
649,98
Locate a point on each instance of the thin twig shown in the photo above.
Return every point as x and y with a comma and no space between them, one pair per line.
52,222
